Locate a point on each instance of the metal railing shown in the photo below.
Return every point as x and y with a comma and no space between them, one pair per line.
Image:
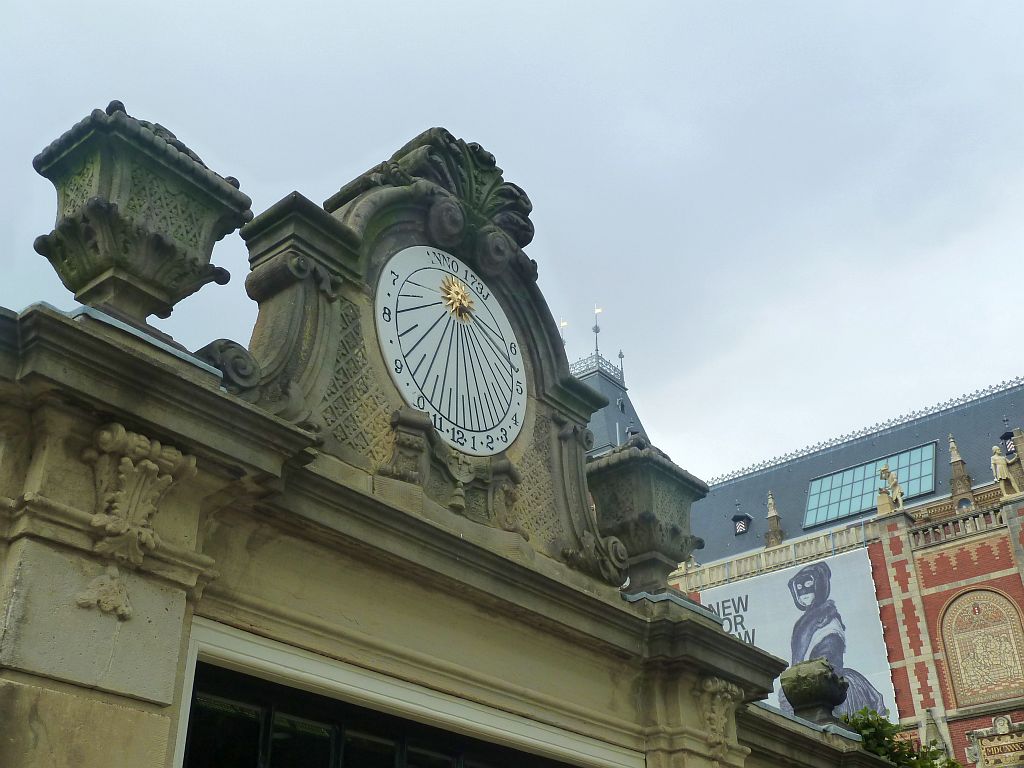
596,362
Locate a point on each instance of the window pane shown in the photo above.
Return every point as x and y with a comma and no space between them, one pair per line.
222,734
848,476
913,488
926,466
844,507
423,758
815,486
904,460
363,751
915,455
858,473
299,743
845,492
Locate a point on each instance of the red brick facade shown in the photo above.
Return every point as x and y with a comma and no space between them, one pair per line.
951,603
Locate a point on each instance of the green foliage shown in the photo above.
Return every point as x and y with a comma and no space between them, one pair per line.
879,737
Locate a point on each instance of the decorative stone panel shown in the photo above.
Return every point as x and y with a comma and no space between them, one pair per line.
984,643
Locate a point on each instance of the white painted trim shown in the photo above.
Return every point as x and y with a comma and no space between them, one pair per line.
268,659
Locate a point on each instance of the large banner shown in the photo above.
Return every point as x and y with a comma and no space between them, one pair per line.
823,609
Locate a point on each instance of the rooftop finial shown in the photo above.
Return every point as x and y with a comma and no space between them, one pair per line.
562,324
621,369
954,453
597,328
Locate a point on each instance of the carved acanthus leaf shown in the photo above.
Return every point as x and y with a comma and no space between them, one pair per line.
472,201
132,473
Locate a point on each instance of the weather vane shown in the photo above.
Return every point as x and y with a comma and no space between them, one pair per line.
597,328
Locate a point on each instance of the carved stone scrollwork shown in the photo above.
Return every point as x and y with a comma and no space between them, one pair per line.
240,372
717,700
132,473
472,199
446,222
604,556
299,255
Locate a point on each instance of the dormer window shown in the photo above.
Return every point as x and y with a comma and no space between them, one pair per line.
741,523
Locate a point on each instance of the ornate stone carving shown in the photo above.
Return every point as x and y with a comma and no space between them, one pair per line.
644,500
482,489
240,372
443,191
139,214
108,593
1000,745
410,455
132,473
984,643
717,700
472,203
299,257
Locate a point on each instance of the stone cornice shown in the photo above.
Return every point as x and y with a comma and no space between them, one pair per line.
116,374
786,742
36,516
86,362
459,556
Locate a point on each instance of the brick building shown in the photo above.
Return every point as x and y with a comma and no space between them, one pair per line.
945,550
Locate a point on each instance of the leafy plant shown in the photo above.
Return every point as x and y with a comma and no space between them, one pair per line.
880,738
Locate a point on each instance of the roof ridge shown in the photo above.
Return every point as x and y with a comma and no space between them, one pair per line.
874,429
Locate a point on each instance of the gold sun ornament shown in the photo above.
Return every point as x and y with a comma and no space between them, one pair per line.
456,298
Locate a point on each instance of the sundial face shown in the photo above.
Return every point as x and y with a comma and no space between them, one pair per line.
450,349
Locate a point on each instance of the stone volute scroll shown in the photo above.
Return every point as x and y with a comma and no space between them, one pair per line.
138,215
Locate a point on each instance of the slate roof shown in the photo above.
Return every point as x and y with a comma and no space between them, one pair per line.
975,420
609,424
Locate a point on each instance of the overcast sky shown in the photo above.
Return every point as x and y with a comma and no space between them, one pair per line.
799,218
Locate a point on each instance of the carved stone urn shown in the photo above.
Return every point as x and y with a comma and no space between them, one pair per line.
137,215
814,689
643,498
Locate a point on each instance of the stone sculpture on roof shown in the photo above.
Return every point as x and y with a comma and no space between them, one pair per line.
1001,472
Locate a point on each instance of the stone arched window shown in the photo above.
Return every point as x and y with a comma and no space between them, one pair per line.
984,643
